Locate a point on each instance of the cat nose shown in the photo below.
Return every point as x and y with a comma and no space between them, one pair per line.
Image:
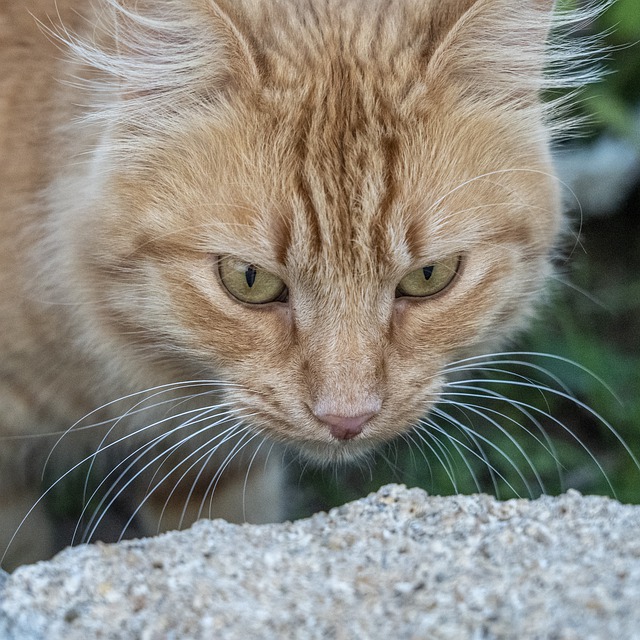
345,427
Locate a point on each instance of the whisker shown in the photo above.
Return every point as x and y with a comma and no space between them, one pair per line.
448,465
411,445
429,424
566,429
229,432
538,354
427,427
475,434
203,416
226,435
547,445
583,292
157,390
493,368
478,411
577,402
213,484
246,476
137,455
133,434
168,418
66,474
237,429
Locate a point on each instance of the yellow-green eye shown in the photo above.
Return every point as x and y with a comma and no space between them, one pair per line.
250,283
430,279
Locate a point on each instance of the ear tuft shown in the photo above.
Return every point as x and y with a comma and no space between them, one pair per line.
500,52
161,56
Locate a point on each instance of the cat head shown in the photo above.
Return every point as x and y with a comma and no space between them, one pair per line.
322,202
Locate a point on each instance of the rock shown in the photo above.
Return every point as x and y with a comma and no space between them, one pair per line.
397,564
599,177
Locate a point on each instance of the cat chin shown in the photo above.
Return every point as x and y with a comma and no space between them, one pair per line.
338,452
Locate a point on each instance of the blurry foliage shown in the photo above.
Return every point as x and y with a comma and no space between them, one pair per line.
594,321
614,101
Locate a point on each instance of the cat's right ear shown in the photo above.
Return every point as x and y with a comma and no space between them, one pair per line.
173,49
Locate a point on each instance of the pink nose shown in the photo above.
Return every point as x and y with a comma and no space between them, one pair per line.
345,427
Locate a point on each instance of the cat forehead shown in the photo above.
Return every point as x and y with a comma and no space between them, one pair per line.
343,152
366,160
382,191
385,231
311,29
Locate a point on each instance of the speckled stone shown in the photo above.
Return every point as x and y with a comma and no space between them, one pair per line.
397,564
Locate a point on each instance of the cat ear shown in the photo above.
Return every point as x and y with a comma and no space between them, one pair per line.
494,50
170,49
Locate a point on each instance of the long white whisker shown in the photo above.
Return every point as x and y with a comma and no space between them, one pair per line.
583,292
246,477
139,472
547,445
158,390
213,484
428,426
237,429
179,400
445,463
574,400
484,176
411,443
138,454
226,435
474,409
536,354
67,473
573,435
492,367
195,413
467,429
490,394
203,416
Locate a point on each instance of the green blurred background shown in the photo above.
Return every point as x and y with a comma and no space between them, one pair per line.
593,319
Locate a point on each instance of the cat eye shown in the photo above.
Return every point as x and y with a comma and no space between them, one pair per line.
430,279
250,283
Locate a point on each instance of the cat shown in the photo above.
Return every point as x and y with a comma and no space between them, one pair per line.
231,223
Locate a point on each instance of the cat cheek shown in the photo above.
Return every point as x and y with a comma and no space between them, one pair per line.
421,333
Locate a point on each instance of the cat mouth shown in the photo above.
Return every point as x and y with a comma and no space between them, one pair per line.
322,442
338,451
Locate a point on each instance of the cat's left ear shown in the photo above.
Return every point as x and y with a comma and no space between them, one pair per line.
493,50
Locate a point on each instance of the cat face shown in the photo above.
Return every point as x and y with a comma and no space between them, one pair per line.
392,209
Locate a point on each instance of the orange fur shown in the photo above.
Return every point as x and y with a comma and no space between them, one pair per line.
337,144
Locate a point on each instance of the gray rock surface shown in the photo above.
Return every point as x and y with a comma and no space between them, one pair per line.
600,176
397,564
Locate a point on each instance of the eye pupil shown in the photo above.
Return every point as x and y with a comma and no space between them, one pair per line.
250,275
250,283
429,280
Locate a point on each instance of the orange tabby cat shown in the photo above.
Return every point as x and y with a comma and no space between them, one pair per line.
281,218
